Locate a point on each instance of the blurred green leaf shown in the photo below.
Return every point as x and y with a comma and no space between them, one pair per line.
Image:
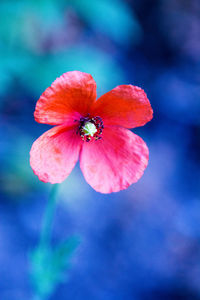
5,80
48,266
100,65
25,27
24,24
113,18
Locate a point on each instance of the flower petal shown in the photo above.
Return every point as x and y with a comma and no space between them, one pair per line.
116,161
125,105
69,96
54,154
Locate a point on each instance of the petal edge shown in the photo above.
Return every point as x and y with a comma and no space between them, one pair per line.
125,105
54,154
69,96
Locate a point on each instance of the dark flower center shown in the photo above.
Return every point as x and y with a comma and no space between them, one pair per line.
90,128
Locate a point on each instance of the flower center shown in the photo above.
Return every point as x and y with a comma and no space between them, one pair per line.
90,128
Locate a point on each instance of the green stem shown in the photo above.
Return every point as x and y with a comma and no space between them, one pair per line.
48,216
44,243
48,263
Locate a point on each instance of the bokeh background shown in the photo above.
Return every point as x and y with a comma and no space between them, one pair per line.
138,244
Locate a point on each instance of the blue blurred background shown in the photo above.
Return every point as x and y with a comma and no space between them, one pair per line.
138,244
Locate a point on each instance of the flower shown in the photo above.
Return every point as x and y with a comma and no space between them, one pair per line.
94,131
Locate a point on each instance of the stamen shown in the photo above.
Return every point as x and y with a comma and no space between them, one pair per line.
90,128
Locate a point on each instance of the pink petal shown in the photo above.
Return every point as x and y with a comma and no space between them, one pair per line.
54,154
116,161
69,96
125,105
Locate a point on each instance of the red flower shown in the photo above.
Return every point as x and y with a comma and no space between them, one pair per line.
111,156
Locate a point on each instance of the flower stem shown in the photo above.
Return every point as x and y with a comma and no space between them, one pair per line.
48,263
48,217
40,256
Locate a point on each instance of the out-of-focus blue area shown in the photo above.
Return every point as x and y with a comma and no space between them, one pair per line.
139,244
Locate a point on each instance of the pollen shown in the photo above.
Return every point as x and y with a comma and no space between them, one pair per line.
89,129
